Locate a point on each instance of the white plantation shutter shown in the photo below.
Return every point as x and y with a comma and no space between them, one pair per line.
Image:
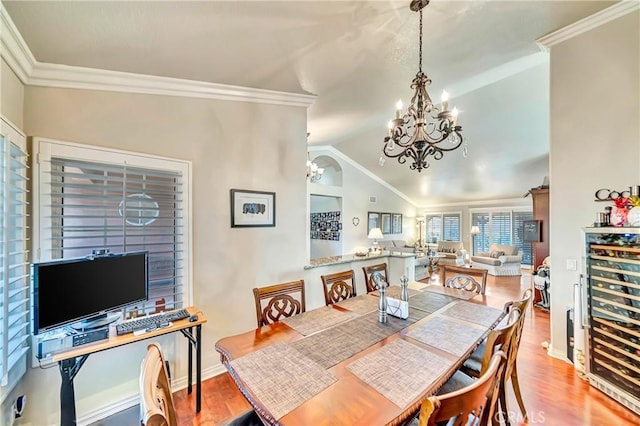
502,227
451,226
14,260
518,240
443,226
89,204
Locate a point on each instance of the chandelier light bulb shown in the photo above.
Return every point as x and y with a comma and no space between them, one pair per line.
399,108
454,114
445,100
390,127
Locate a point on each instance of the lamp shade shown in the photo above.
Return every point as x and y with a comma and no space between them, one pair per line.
375,233
475,230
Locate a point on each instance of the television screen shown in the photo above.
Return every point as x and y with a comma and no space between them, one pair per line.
67,291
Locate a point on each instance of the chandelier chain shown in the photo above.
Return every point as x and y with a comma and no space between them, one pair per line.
420,51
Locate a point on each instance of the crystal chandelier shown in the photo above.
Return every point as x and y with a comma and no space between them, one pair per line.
424,129
314,173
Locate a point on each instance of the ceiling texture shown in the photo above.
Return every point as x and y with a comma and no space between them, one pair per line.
357,57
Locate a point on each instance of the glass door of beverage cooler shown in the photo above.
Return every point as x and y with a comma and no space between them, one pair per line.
614,307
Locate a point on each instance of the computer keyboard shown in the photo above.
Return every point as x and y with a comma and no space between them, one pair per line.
151,322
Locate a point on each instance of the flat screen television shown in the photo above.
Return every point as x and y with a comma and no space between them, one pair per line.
69,291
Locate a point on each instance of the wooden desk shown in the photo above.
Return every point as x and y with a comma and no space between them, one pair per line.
72,360
348,400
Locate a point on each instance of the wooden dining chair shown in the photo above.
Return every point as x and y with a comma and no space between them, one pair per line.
473,366
156,399
368,275
279,301
338,286
472,404
477,275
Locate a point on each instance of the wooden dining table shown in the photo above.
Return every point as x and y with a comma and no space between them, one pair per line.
338,365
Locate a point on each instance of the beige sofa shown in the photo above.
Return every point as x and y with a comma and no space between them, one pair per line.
452,251
501,260
396,246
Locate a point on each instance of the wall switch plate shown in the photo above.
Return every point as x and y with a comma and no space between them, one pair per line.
572,265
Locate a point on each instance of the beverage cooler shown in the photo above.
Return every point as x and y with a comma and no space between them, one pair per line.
611,312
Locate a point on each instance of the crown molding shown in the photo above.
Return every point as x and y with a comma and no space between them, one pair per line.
33,73
616,11
361,168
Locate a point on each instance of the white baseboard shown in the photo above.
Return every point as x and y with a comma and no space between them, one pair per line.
134,399
553,352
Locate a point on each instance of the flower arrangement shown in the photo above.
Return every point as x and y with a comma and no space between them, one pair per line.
619,213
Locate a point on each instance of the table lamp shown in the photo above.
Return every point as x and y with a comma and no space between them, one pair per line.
475,230
375,234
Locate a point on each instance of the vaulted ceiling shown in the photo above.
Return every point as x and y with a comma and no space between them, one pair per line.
358,57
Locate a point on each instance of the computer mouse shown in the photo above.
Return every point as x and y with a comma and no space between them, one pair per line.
193,318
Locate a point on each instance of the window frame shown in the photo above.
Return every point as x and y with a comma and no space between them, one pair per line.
511,210
44,149
442,215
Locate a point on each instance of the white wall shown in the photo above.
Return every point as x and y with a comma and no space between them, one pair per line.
11,95
357,186
595,143
227,151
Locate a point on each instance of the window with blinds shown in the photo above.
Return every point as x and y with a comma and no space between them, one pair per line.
502,227
122,207
443,227
14,261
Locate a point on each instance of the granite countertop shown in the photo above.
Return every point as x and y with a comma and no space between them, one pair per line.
348,258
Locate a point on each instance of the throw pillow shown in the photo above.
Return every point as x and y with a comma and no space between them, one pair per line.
496,254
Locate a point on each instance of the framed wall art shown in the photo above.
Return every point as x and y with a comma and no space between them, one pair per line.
252,208
396,223
386,223
373,221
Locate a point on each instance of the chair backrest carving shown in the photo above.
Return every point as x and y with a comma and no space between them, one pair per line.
473,404
338,286
464,282
156,399
279,301
368,275
479,275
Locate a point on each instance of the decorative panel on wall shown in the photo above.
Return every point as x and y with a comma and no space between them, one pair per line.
326,226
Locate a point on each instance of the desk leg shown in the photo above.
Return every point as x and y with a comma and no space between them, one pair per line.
67,395
198,368
68,370
189,371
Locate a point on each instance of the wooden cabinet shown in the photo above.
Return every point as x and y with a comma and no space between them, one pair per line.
541,213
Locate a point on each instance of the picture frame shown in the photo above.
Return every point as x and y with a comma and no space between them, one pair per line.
532,231
396,223
386,223
373,221
252,208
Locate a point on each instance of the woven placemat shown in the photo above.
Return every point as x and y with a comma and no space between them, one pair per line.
430,302
395,291
472,312
318,319
362,304
457,293
447,334
417,285
332,346
281,378
400,371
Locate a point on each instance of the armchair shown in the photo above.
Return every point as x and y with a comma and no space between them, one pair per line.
501,260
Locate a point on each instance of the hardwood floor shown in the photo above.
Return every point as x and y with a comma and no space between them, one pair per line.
552,392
